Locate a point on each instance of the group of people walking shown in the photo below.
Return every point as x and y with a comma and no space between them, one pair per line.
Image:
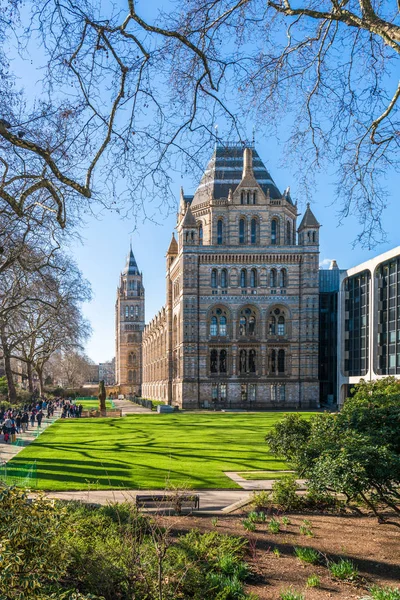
15,421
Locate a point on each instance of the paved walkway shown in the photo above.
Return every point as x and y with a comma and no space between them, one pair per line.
8,451
129,408
258,484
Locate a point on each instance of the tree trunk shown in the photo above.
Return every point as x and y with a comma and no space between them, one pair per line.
12,392
30,376
39,371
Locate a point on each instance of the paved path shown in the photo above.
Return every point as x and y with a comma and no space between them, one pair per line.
258,484
8,451
129,408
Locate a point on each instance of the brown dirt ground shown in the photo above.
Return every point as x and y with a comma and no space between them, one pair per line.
374,548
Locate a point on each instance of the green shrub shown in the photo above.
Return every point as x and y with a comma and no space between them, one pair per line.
291,595
344,569
257,517
306,528
308,555
313,581
284,492
261,499
276,552
249,525
383,593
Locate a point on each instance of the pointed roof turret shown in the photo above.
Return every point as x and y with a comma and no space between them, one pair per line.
173,247
309,219
131,267
182,203
189,220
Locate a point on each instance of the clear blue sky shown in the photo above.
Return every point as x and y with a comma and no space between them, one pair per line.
105,240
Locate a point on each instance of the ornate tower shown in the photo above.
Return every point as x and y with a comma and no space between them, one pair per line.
129,325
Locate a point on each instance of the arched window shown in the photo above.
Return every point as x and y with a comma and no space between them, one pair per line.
281,361
220,232
224,278
252,325
242,231
134,376
126,312
222,325
254,197
273,361
243,361
222,361
274,231
137,311
281,325
201,235
242,325
253,231
252,361
130,376
214,361
247,322
247,197
214,276
288,233
241,197
272,325
243,278
283,278
272,278
314,236
214,326
131,358
253,278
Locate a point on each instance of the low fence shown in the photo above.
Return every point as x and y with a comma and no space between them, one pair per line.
20,474
142,402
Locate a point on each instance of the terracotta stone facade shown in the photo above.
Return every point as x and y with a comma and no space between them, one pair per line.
129,325
240,325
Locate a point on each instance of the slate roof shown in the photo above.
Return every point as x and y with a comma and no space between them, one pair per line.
173,247
309,219
131,267
188,219
224,172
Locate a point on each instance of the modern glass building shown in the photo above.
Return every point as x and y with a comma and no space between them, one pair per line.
369,322
329,282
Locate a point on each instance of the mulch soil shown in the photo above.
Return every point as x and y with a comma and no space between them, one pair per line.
373,548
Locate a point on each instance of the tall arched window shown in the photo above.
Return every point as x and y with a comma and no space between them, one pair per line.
214,275
220,232
281,325
126,312
214,361
222,325
272,278
242,325
252,361
243,361
247,322
253,278
201,235
243,278
254,197
130,376
224,278
252,325
242,231
222,361
214,326
288,233
274,231
253,231
273,361
314,237
272,325
283,278
241,197
281,361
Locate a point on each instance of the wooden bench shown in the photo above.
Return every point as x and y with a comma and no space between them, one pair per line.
177,502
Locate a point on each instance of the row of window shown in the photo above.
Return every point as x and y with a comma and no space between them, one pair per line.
247,361
251,235
249,278
247,323
248,392
131,311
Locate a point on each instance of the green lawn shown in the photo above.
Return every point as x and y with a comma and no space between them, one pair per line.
146,450
92,404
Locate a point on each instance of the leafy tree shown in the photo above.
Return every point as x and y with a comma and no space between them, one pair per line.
355,452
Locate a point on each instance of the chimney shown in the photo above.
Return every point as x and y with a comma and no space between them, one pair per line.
333,265
247,163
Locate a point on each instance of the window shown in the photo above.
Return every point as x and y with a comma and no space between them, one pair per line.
274,231
273,361
224,278
314,237
220,232
272,325
214,361
247,322
242,231
137,310
272,278
126,312
281,361
222,391
130,376
254,197
281,325
288,233
201,235
242,326
214,275
253,231
222,361
252,392
282,393
214,326
243,361
252,361
283,278
253,278
243,278
243,392
214,392
273,393
222,325
241,197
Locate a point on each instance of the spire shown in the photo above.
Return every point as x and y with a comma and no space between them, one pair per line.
189,220
131,267
182,203
247,163
309,219
173,247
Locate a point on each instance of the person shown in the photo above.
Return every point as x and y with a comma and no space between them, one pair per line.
39,418
32,419
13,432
24,421
18,419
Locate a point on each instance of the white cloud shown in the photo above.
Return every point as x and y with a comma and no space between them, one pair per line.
325,263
